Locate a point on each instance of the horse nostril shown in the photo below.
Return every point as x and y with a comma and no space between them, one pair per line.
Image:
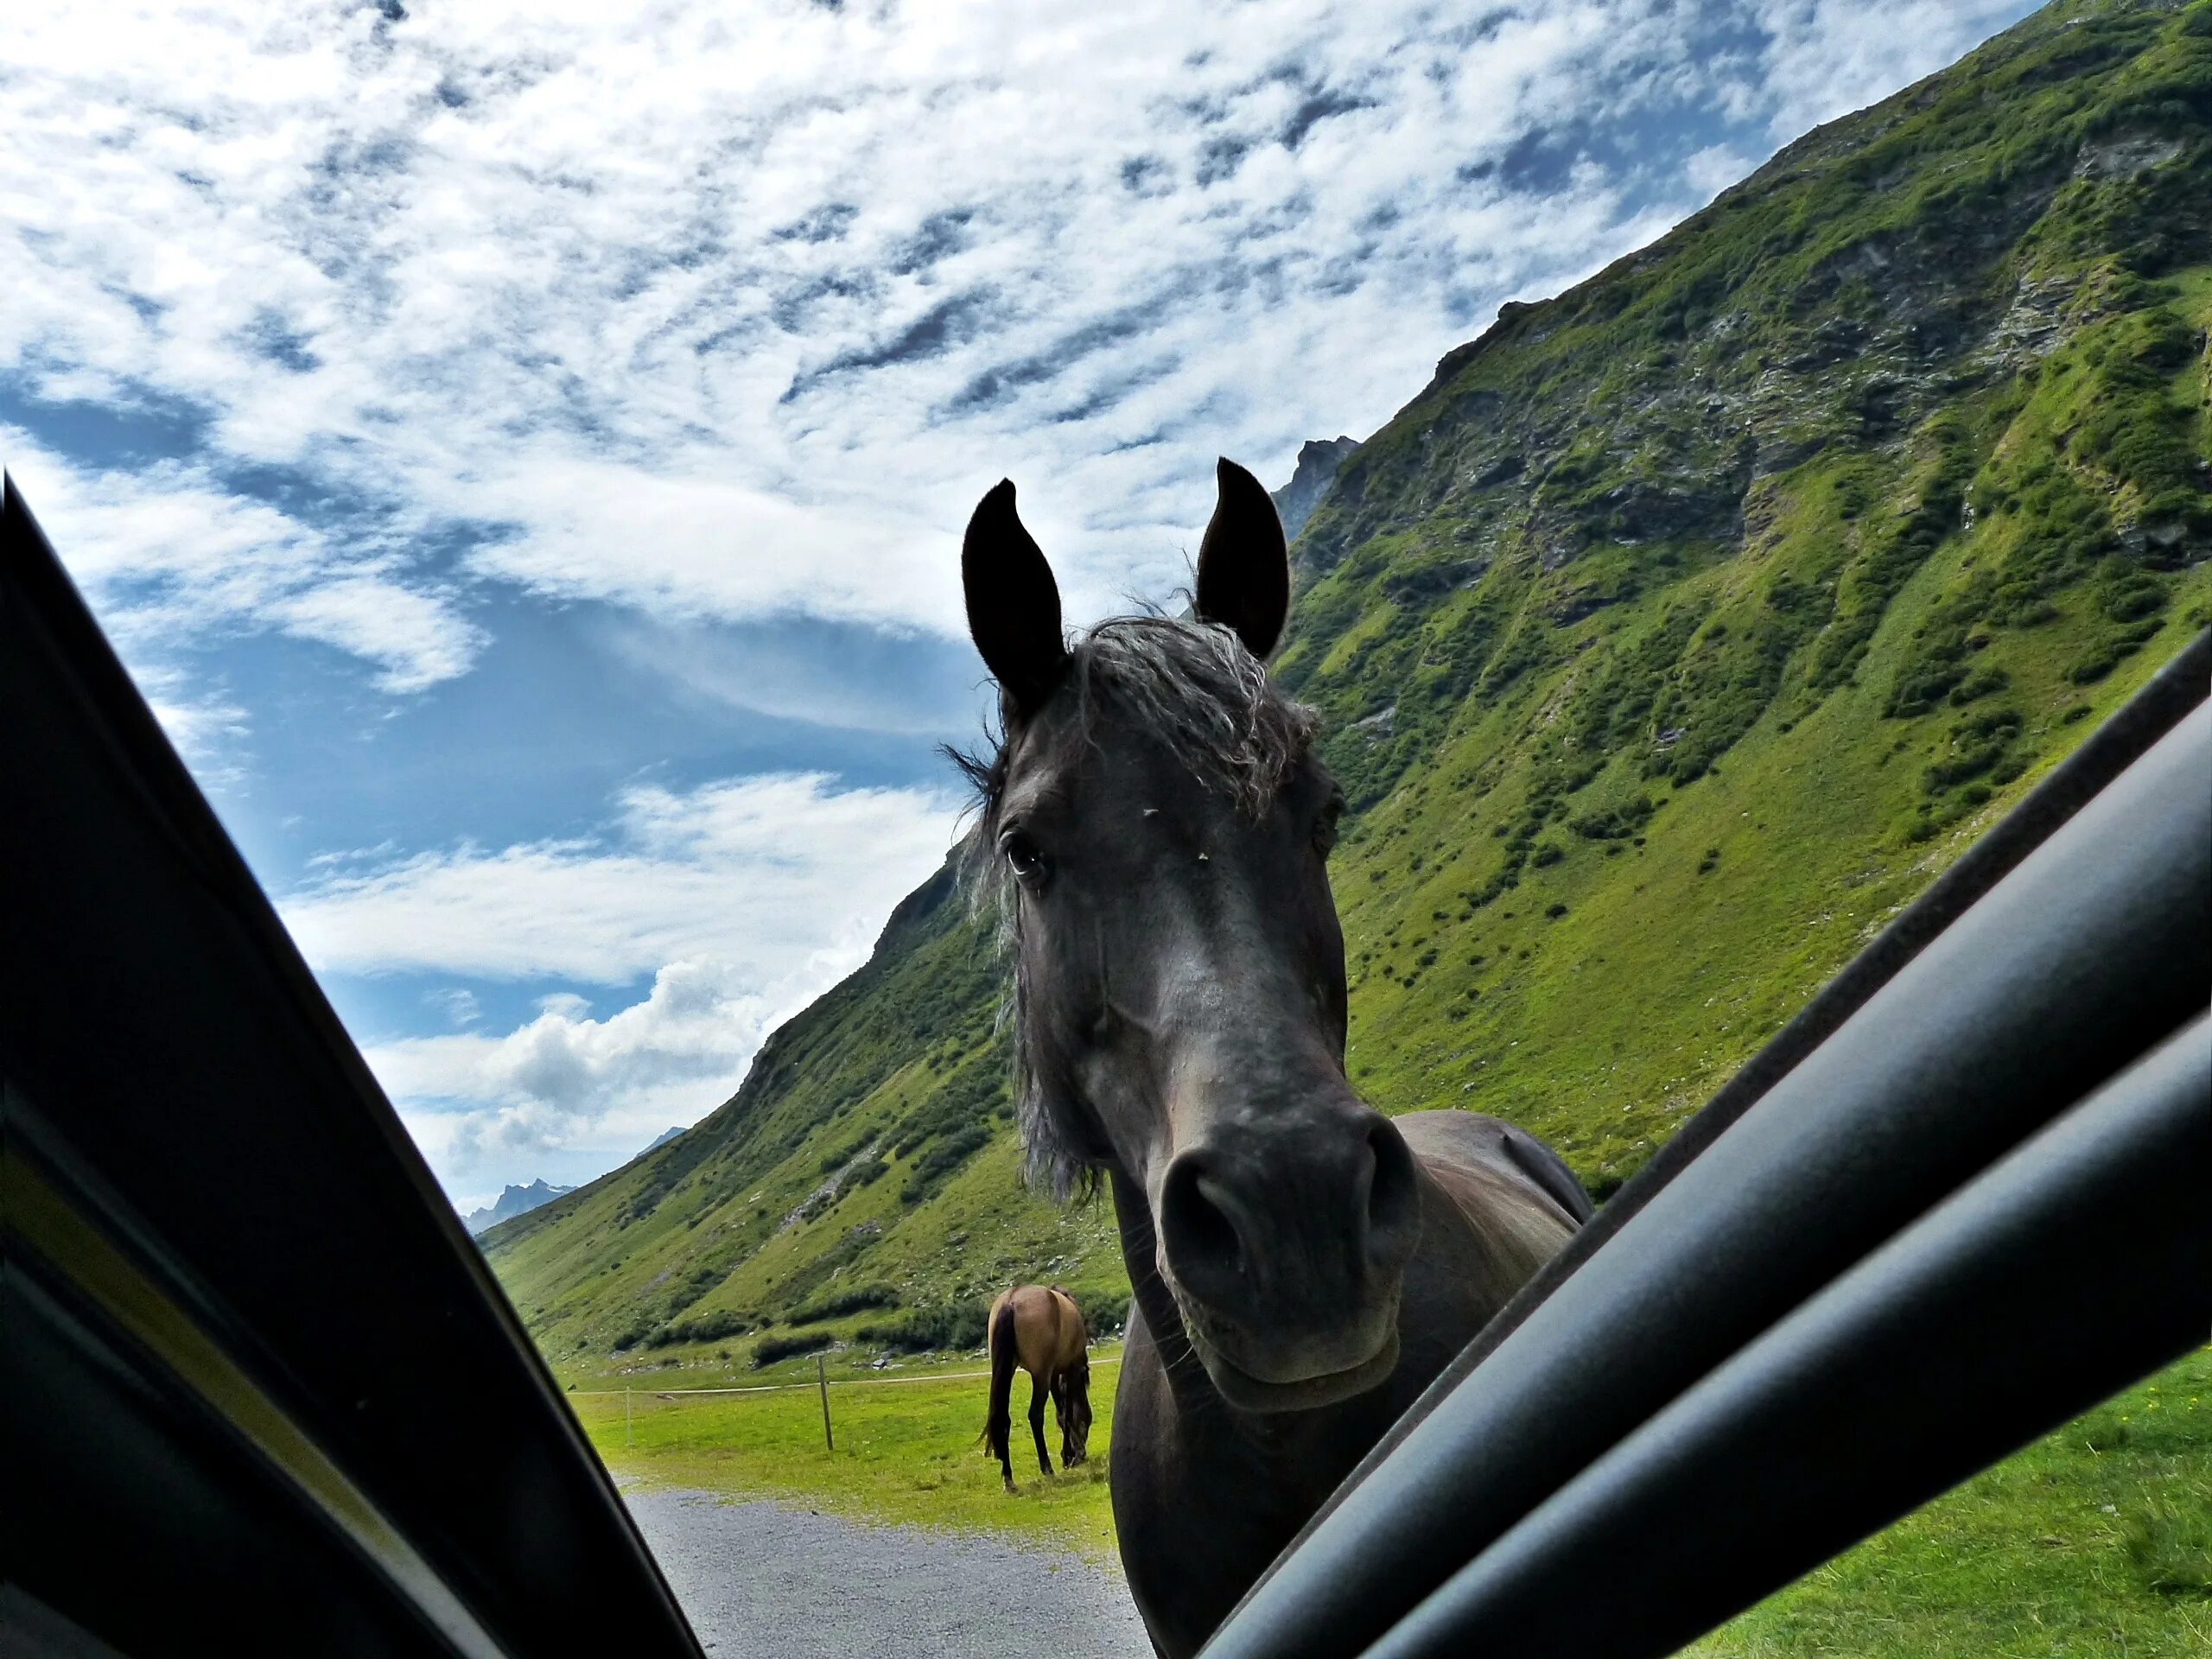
1393,1200
1202,1242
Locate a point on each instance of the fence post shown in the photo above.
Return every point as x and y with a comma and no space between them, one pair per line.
625,1416
821,1377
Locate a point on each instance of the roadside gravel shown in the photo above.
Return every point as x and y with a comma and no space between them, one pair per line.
771,1580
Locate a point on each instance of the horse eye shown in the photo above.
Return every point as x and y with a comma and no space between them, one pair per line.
1023,858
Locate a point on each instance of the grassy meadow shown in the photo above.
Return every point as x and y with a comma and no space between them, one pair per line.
2093,1543
908,1447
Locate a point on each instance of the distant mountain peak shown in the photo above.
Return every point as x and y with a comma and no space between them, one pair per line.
519,1201
663,1138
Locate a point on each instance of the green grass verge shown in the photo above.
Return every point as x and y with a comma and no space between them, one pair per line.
2096,1542
908,1451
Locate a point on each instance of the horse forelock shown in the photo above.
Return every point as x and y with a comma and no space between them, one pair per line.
1192,687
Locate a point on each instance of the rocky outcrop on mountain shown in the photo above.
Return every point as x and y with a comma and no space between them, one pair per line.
1319,462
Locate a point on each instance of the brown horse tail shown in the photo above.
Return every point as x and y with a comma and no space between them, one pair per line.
999,1423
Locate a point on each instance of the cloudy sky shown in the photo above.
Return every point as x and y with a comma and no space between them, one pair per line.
522,454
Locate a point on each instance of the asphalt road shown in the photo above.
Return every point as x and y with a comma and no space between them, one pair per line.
769,1579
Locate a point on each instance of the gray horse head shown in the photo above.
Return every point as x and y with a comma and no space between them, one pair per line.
1162,827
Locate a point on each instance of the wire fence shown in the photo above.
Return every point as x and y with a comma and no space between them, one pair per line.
835,1382
821,1382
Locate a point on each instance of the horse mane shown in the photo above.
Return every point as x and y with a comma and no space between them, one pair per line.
1190,685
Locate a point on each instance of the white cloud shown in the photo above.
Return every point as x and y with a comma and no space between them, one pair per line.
777,875
845,679
743,900
1828,58
166,553
210,732
735,312
458,1003
483,1106
1712,169
693,546
416,638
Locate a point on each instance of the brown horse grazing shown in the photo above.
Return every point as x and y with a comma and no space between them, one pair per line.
1042,1332
1303,1266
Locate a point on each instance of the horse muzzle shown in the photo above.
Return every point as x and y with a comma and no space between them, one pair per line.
1285,1240
1287,1380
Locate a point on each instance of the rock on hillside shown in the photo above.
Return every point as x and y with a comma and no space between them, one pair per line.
1673,637
1319,462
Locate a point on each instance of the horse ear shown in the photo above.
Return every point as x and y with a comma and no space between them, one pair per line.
1014,604
1244,563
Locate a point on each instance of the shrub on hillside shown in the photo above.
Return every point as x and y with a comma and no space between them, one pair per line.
931,1168
1104,1311
972,1095
769,1350
1614,823
1979,746
704,1327
839,1303
950,1325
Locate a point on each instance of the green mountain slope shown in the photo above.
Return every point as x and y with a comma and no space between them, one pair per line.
1673,639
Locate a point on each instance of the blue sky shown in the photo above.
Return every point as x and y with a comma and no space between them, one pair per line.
522,454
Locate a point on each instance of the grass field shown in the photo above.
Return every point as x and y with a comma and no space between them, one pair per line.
907,1446
2097,1541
